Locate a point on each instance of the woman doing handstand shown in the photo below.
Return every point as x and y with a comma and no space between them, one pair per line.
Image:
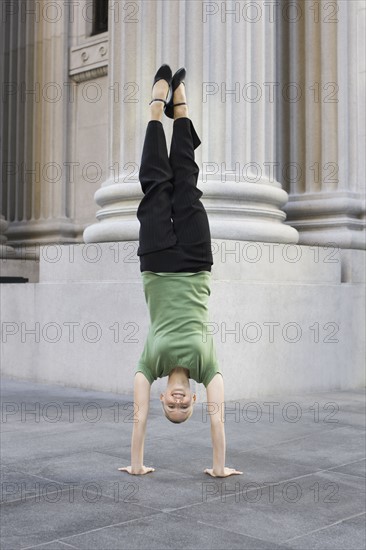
175,262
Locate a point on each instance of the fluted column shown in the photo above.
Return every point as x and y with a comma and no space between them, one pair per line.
323,133
35,179
5,249
242,195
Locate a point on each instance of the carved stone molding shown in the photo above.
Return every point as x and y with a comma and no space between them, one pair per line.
90,74
89,61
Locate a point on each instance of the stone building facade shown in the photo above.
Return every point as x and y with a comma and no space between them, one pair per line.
277,94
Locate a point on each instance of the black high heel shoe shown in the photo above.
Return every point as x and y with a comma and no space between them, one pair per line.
177,79
163,73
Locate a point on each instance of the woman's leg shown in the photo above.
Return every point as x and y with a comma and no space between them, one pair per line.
160,249
154,211
190,221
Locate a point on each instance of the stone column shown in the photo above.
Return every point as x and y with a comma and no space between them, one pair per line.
5,250
35,190
221,52
323,51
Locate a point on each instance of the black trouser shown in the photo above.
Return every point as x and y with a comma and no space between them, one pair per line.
171,193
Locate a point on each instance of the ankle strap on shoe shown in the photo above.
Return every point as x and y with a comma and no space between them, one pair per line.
157,99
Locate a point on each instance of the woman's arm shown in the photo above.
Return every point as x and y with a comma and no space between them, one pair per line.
141,411
216,403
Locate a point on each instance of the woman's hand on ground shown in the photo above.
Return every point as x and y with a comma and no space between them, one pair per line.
137,471
227,472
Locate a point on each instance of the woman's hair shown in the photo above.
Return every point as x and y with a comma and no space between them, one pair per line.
178,421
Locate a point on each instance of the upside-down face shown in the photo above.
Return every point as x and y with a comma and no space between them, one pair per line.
177,403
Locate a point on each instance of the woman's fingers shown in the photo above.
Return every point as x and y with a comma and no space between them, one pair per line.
227,472
141,471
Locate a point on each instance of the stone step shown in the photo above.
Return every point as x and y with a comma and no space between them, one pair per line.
17,267
287,337
241,260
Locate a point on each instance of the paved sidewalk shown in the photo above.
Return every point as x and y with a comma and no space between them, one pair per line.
303,485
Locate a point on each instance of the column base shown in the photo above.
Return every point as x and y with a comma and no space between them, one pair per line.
6,251
336,218
33,233
236,210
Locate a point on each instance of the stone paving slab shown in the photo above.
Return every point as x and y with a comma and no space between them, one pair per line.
281,511
170,532
347,534
303,485
60,514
